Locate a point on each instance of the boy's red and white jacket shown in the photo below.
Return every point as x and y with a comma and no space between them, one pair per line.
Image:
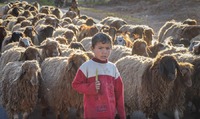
104,103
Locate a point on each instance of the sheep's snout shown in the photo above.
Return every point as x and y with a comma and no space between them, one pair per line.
171,76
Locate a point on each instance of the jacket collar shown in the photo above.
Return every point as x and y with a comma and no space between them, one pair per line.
99,61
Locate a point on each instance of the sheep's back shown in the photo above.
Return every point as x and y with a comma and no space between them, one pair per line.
119,52
53,84
131,69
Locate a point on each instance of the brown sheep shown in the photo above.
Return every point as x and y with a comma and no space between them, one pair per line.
183,81
20,85
50,48
140,48
148,82
58,74
139,31
86,31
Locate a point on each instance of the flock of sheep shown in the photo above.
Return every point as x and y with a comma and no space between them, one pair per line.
42,48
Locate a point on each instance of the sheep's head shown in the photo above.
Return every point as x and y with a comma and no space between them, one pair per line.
69,35
148,35
30,71
76,59
76,45
140,47
25,42
196,49
16,35
120,41
168,67
187,70
3,32
31,53
51,48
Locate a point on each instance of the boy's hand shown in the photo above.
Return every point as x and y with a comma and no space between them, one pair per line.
97,83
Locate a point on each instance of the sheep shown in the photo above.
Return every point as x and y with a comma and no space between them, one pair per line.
50,48
19,54
58,73
16,35
73,27
139,31
43,32
11,55
148,82
119,52
87,43
20,85
140,48
174,49
76,45
190,22
123,39
86,31
180,33
70,14
23,42
61,40
164,28
113,22
58,13
177,98
192,93
29,31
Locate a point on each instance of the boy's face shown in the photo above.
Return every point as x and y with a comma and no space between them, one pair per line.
102,51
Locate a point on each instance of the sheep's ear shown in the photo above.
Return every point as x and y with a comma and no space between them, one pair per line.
178,68
40,77
60,51
42,46
23,56
34,81
70,64
161,68
19,74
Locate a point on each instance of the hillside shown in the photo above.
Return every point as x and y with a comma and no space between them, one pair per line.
153,13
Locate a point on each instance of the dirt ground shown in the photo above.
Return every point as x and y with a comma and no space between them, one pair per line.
153,14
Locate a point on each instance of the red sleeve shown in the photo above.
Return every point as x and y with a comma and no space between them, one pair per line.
119,94
81,85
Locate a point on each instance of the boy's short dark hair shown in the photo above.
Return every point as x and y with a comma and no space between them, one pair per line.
101,37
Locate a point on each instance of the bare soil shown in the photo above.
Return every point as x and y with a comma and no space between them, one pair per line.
153,13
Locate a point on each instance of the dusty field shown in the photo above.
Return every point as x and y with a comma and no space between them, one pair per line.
153,14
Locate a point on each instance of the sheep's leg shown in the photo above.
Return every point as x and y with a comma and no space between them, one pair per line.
15,116
58,115
25,115
176,114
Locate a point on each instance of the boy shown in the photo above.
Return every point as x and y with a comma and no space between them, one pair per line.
100,82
